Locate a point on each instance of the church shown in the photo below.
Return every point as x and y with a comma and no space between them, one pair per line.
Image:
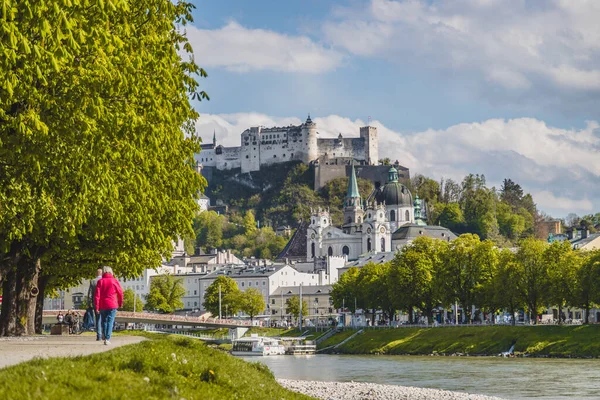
385,222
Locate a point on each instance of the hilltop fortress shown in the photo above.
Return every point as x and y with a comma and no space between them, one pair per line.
267,146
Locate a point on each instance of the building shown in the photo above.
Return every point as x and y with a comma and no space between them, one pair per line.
386,222
580,238
318,299
262,146
207,263
264,278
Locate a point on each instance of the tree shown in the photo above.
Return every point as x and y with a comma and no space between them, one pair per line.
165,294
462,273
87,133
293,307
372,281
452,217
230,296
587,287
249,223
128,296
252,302
533,272
346,291
511,193
506,284
414,276
562,264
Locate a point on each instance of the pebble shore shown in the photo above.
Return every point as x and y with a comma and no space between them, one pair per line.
372,391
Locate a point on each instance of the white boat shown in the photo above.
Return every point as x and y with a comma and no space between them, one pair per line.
257,346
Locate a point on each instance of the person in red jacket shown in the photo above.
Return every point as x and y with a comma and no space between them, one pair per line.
109,297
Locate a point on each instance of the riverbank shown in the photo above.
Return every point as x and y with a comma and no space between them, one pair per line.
160,367
372,391
581,341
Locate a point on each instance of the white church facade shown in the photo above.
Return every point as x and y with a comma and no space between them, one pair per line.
262,146
369,227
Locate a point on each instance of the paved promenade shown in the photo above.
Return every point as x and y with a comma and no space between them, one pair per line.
17,350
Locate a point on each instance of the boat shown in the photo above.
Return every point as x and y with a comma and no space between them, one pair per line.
257,346
298,346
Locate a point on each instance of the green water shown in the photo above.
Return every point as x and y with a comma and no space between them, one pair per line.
509,378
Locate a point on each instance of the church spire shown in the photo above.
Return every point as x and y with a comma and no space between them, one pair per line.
214,137
353,195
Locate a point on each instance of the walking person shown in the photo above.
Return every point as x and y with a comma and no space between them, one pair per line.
109,297
92,304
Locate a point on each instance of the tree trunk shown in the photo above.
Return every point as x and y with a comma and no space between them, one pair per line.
27,280
587,314
8,316
559,314
513,320
410,315
39,309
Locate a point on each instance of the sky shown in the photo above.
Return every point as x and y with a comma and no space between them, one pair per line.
508,89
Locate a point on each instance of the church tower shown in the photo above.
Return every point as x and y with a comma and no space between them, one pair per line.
353,211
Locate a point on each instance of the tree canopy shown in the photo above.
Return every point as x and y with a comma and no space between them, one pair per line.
165,294
96,152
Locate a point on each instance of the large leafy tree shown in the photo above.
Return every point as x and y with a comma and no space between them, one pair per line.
230,296
533,271
96,152
587,289
414,274
506,284
374,287
252,302
562,264
346,292
165,294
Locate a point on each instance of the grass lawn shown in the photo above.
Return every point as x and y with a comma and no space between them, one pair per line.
163,367
335,339
565,341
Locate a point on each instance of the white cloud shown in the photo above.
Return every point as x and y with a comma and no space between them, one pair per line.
558,166
241,49
515,45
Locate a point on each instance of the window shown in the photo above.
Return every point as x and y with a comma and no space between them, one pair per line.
195,292
407,216
249,283
195,304
330,251
345,250
349,219
264,283
316,299
392,215
369,244
242,284
274,155
382,244
272,301
312,250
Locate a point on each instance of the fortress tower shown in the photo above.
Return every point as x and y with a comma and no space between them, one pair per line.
369,134
311,148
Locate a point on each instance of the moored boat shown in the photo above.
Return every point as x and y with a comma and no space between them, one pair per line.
257,346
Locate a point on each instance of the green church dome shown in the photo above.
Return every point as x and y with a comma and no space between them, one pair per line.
394,193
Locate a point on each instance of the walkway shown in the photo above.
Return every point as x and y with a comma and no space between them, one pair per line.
17,350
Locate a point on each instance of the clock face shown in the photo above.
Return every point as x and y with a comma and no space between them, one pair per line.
312,236
382,230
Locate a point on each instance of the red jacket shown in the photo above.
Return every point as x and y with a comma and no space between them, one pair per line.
109,294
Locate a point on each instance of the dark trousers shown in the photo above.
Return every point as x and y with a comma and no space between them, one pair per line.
98,320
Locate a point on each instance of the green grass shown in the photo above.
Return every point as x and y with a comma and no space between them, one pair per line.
266,331
556,341
335,339
163,367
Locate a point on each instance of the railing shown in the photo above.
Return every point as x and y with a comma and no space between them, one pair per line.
167,318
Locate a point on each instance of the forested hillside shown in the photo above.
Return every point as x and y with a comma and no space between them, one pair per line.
284,195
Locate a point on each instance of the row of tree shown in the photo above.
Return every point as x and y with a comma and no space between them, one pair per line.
430,273
232,299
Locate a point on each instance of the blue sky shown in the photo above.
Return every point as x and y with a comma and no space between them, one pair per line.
482,86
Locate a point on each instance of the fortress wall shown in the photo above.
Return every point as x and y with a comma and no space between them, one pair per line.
206,157
354,147
229,158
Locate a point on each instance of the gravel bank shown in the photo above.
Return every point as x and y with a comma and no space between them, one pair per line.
372,391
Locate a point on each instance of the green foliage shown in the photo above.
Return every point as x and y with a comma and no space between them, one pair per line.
128,298
346,292
96,152
534,283
165,294
157,368
292,305
230,296
252,302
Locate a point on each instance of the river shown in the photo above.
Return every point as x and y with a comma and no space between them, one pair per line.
509,378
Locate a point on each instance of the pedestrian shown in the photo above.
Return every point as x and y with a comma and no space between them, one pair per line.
60,317
109,297
69,320
92,304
